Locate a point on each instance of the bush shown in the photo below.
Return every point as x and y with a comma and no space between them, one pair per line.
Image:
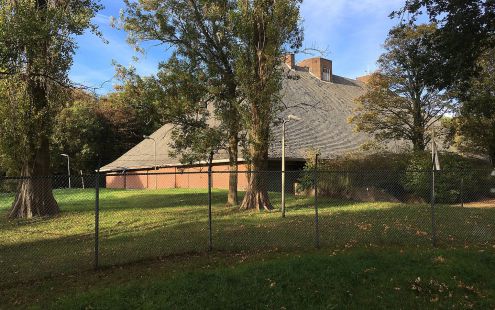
455,169
403,175
336,176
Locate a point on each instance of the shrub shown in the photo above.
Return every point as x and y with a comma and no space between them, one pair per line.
383,171
473,173
402,175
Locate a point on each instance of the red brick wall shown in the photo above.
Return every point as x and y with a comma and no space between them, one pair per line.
221,179
176,178
316,65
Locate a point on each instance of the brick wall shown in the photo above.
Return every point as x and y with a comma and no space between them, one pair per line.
176,177
316,66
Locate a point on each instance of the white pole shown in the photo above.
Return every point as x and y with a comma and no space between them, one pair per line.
82,178
283,168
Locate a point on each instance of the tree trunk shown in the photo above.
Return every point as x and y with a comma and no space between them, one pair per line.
419,143
256,194
233,198
419,125
34,195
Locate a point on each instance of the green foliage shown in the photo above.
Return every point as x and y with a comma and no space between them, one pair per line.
79,130
402,175
37,44
465,32
379,170
197,86
399,103
473,173
189,102
474,127
265,31
96,130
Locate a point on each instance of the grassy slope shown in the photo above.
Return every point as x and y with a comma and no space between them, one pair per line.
376,277
138,225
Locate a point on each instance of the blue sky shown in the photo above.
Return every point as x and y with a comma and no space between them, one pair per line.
351,31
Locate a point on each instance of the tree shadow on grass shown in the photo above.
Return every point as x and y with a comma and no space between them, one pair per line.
143,233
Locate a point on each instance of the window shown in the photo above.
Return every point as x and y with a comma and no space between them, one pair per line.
326,74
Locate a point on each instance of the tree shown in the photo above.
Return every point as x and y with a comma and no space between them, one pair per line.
399,104
466,31
36,50
265,29
122,124
201,34
187,102
79,130
475,125
84,126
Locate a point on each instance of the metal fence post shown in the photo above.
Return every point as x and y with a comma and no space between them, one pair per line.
210,236
97,217
432,201
317,228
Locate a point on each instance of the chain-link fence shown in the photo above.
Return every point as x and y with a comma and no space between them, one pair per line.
118,218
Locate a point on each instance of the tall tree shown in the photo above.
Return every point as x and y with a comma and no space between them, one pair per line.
265,30
36,49
475,124
201,34
79,130
466,31
188,104
399,103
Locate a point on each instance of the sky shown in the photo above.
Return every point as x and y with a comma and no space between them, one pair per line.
351,32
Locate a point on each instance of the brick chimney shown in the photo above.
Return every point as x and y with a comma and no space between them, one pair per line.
319,67
290,60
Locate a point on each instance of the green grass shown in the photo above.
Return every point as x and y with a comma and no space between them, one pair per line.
143,224
375,277
371,253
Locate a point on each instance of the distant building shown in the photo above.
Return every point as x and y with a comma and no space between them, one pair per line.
311,91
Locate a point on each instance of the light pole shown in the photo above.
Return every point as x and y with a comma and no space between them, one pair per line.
124,172
285,120
154,144
68,166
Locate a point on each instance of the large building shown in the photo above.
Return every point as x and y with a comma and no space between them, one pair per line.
323,101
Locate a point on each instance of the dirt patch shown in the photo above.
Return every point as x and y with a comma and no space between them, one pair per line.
486,203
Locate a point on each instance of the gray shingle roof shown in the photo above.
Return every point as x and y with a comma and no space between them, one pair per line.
324,108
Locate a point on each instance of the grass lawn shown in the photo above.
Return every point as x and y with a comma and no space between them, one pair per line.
141,224
376,277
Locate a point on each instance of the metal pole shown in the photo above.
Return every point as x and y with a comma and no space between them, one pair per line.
97,217
317,228
156,176
82,178
433,229
210,237
68,169
283,168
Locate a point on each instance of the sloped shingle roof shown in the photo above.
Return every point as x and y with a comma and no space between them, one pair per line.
324,108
